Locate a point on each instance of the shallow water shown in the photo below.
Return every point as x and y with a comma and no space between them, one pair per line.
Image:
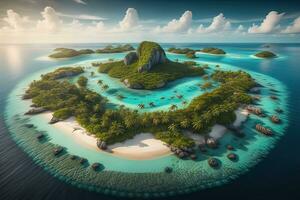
249,151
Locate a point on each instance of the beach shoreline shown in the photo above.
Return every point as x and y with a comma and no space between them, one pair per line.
142,146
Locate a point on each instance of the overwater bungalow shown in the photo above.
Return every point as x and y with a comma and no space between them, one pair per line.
263,130
275,119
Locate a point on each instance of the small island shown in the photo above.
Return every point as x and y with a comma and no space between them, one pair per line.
189,53
69,53
115,49
148,68
266,54
212,50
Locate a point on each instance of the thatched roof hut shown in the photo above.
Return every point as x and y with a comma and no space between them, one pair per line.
263,130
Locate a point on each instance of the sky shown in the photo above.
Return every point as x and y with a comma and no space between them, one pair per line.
84,21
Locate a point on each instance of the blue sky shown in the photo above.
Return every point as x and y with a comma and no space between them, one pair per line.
34,21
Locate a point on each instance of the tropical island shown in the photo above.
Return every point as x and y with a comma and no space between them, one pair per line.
212,50
148,68
189,53
266,54
68,53
98,129
53,92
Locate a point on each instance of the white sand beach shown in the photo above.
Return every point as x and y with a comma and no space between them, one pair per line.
143,146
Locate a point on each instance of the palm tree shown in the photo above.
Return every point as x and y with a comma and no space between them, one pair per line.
105,87
141,106
185,123
197,125
151,104
100,82
129,122
165,118
172,128
145,120
173,107
155,121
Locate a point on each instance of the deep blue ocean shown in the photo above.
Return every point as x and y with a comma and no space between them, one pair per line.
276,177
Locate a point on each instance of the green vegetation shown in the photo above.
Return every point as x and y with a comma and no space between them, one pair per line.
82,81
189,53
63,73
68,53
190,63
89,108
117,49
159,70
180,51
213,50
63,113
156,77
175,139
266,54
145,51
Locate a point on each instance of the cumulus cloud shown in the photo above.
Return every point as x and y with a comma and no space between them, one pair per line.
51,21
219,23
15,21
294,28
178,25
96,27
80,1
130,20
268,25
83,17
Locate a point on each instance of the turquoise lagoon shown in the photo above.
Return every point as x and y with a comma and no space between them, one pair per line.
146,178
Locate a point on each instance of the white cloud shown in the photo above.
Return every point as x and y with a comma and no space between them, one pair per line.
80,1
51,21
15,21
178,25
130,20
97,27
219,23
83,17
268,25
294,28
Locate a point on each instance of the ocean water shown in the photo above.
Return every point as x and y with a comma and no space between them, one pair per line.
20,66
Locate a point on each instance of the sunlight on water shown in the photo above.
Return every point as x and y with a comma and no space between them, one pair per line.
13,57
